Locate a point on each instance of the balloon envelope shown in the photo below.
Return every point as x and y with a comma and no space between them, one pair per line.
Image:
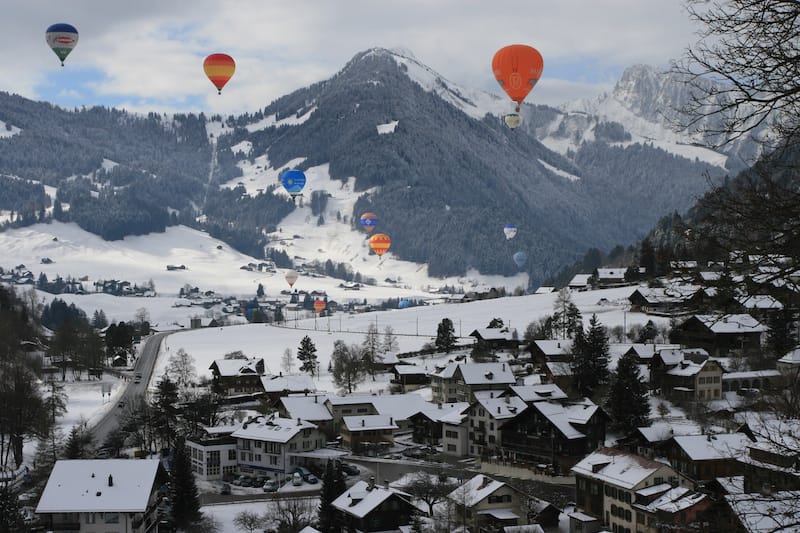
403,304
319,306
510,231
291,277
520,258
369,221
517,68
61,38
293,181
219,68
379,243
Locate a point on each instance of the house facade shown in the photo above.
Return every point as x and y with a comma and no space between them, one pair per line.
457,382
369,433
274,444
234,377
368,507
485,504
213,453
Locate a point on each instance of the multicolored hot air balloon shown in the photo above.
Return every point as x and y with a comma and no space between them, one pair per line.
379,243
369,221
291,277
510,230
319,306
517,68
219,68
520,258
61,38
293,181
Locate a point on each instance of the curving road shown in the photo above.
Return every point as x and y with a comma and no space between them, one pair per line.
144,366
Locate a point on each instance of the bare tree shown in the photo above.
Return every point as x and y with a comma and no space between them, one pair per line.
287,361
348,365
248,521
430,488
180,368
390,343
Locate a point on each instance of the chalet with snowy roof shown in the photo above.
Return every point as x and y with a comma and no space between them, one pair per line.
455,432
560,373
667,301
495,338
457,382
606,483
760,305
235,377
752,379
213,452
538,393
410,377
692,381
309,407
368,434
486,416
485,504
720,335
275,387
275,444
789,365
428,425
109,495
682,508
651,441
705,457
611,277
554,434
543,350
669,358
400,406
368,507
580,282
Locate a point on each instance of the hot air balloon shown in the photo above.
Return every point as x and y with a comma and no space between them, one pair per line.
369,221
510,231
520,258
379,243
61,38
219,69
319,306
291,277
517,68
403,304
293,181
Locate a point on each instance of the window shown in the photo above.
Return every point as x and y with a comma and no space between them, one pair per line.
231,455
91,518
451,447
258,444
640,518
451,434
111,518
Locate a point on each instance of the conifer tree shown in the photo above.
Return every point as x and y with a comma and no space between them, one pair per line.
185,499
590,358
10,513
325,513
445,335
627,398
307,354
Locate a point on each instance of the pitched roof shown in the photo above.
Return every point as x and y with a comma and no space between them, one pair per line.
475,490
272,429
310,408
492,334
369,422
732,323
561,417
554,347
710,447
479,373
792,357
765,513
537,393
617,467
82,485
237,367
359,500
288,383
500,408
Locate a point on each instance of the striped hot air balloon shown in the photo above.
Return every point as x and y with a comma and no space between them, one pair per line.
379,243
369,221
61,38
219,68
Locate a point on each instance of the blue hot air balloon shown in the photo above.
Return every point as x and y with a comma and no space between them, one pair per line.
520,258
403,304
293,181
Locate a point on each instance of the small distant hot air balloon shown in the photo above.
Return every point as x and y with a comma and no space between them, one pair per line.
291,277
219,68
61,38
369,221
403,304
510,231
379,243
520,258
293,181
319,306
517,68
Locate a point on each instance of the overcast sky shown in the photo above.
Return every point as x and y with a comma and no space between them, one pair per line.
147,55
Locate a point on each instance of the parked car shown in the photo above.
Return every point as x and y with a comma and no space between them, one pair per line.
271,485
350,470
306,475
297,479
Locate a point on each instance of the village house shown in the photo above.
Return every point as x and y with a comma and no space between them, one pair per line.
611,277
706,457
678,509
485,504
368,507
274,444
606,482
752,380
789,365
560,373
309,407
399,406
543,350
108,495
410,377
275,387
235,377
457,382
495,338
772,461
486,417
213,452
720,335
580,282
673,300
428,425
455,432
368,434
692,381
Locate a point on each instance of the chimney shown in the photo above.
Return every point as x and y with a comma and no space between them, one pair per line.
508,399
504,367
362,423
498,409
110,481
391,420
316,399
558,345
371,484
298,421
491,394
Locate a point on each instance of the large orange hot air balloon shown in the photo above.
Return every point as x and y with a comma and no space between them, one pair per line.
380,242
517,68
219,69
319,306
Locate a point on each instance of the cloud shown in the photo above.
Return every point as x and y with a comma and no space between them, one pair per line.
151,51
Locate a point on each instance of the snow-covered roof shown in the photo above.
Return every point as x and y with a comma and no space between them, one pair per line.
617,467
475,490
84,486
791,358
554,347
447,412
288,383
537,393
732,323
654,489
751,374
311,408
687,369
369,422
759,301
711,447
237,367
272,429
662,430
761,513
492,334
501,408
580,280
559,368
732,484
674,500
672,356
400,406
559,416
359,500
611,273
408,370
479,373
